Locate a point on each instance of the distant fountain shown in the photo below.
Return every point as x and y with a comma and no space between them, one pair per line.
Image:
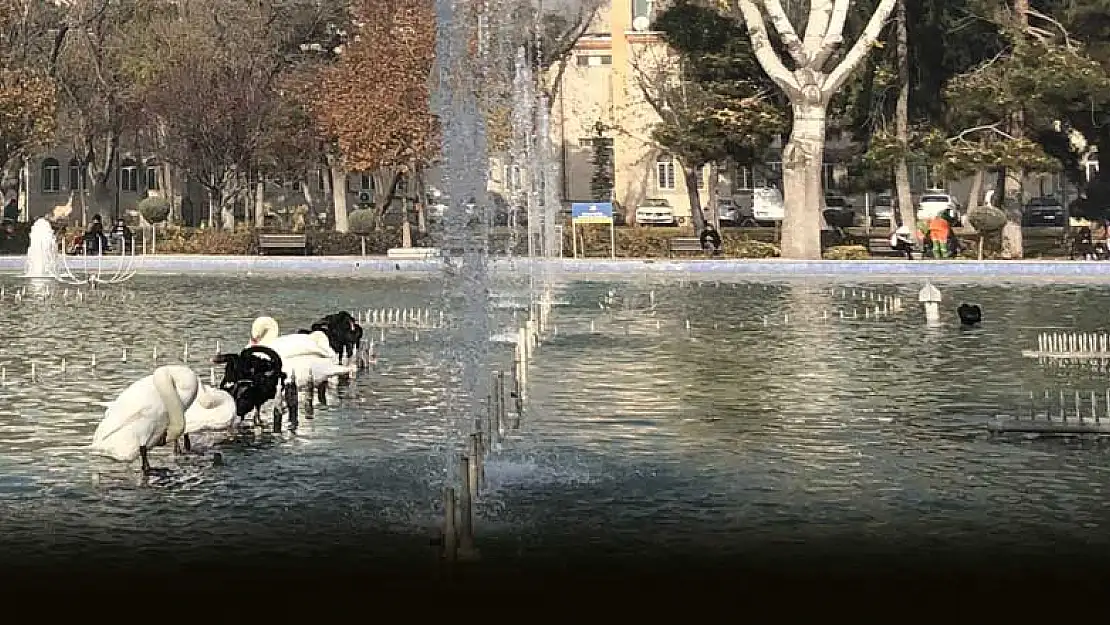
44,260
42,255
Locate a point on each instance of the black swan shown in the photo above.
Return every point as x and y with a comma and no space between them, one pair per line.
343,331
252,377
970,315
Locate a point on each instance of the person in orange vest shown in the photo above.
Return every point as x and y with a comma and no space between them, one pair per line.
939,229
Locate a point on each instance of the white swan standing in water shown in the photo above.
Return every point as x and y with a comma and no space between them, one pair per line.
264,331
149,413
212,411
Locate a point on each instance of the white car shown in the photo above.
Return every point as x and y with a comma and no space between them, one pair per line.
933,204
655,212
767,205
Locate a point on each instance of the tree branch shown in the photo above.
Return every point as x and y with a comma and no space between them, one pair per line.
778,18
991,128
844,69
761,46
817,28
834,36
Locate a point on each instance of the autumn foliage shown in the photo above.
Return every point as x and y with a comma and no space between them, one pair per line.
27,112
373,103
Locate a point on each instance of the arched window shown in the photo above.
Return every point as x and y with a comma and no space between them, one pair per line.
664,172
78,176
129,176
51,176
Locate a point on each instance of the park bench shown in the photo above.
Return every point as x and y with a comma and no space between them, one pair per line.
880,246
290,242
684,244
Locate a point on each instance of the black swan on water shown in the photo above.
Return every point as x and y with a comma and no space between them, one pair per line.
252,377
970,314
343,331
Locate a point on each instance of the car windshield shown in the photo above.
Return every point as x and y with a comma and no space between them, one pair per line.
1044,201
935,198
835,201
655,203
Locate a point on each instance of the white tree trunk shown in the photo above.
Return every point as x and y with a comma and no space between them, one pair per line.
801,183
339,196
259,204
902,124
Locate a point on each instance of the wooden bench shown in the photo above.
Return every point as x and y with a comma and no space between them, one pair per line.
282,242
684,244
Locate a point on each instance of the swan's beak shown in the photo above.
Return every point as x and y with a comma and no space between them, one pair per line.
254,341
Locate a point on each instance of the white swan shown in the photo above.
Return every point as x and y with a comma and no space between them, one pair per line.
264,331
149,413
212,411
305,368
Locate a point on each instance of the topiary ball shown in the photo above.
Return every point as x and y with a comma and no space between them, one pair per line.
154,209
986,219
361,221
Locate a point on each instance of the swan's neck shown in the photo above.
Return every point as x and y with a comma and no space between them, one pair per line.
167,392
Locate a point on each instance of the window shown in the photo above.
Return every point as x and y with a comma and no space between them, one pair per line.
642,14
828,175
1092,169
365,182
664,172
129,176
744,178
51,176
152,178
703,176
321,183
78,176
594,60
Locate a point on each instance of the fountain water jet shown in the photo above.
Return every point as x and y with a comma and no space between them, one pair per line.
42,255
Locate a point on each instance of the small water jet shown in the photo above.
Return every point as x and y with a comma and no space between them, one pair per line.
42,255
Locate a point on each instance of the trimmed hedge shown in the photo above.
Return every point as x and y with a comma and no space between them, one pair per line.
176,240
644,242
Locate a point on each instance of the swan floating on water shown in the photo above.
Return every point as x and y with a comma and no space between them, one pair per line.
212,411
264,331
149,413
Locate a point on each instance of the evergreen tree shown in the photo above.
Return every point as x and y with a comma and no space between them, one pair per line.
601,183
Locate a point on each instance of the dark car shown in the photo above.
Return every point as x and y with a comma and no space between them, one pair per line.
1044,212
838,212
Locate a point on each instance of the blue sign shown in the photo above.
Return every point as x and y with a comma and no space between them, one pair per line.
592,212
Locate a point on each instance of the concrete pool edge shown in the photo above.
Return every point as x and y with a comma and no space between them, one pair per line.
770,267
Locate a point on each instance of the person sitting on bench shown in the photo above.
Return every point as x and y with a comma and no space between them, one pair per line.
902,241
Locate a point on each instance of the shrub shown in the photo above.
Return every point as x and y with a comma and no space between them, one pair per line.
178,240
645,242
986,219
361,222
846,252
154,210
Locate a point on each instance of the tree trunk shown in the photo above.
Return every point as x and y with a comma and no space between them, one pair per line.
385,187
1013,245
214,201
421,194
259,204
711,194
902,124
976,189
691,172
339,194
801,182
406,228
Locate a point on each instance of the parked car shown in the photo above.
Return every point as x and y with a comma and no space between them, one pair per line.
655,212
728,213
882,212
767,206
838,211
1045,211
933,204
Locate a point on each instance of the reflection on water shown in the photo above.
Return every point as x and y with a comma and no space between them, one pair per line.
731,432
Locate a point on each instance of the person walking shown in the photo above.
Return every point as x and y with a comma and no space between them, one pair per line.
939,229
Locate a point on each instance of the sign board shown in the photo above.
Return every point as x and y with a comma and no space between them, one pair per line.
591,212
